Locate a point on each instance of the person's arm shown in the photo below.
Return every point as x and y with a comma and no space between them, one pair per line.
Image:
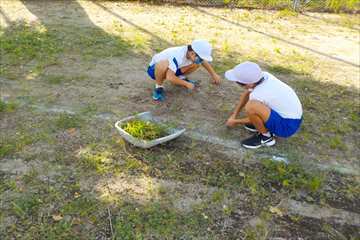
215,77
232,121
170,75
244,98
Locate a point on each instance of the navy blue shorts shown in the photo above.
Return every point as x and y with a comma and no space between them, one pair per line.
282,127
151,71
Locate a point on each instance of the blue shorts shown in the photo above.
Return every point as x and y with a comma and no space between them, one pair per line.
282,127
151,71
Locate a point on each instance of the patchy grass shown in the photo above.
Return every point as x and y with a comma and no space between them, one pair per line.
60,79
26,205
7,106
22,43
291,176
38,47
66,121
102,160
139,222
93,43
206,194
15,143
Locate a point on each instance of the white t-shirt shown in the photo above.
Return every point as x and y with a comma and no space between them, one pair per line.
176,57
278,96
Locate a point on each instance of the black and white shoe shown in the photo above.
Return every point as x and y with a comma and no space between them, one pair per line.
250,127
258,140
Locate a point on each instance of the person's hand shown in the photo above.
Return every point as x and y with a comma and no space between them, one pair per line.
190,86
231,122
216,79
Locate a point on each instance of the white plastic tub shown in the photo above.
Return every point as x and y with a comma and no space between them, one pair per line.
173,132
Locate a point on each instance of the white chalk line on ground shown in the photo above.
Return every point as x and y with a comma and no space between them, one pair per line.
232,148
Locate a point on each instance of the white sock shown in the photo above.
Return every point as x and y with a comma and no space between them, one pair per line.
182,77
267,134
158,86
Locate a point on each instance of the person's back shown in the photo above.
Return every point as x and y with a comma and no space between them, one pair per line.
175,55
278,96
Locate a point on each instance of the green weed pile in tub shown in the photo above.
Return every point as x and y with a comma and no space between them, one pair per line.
144,130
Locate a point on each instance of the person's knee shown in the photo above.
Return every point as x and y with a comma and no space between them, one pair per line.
162,66
169,74
254,107
251,108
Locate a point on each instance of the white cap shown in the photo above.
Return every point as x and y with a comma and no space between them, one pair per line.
203,49
246,73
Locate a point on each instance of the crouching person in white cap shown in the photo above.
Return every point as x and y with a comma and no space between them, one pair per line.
175,63
271,106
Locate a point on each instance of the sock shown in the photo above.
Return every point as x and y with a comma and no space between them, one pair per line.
267,134
182,77
158,86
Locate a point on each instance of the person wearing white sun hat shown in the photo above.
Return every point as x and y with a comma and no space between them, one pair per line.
175,63
271,106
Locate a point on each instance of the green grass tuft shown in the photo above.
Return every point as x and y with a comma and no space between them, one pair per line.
66,121
26,205
101,161
7,106
291,176
144,130
15,143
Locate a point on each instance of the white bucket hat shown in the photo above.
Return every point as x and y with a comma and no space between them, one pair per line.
245,73
203,49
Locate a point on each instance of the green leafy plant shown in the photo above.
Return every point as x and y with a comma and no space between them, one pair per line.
291,176
145,130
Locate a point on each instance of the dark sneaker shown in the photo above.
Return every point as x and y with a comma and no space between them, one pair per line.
158,94
250,127
258,140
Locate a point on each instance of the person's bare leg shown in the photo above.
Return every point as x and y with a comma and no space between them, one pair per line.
258,114
170,75
160,71
190,68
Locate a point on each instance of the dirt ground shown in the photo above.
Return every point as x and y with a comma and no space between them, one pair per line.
66,173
